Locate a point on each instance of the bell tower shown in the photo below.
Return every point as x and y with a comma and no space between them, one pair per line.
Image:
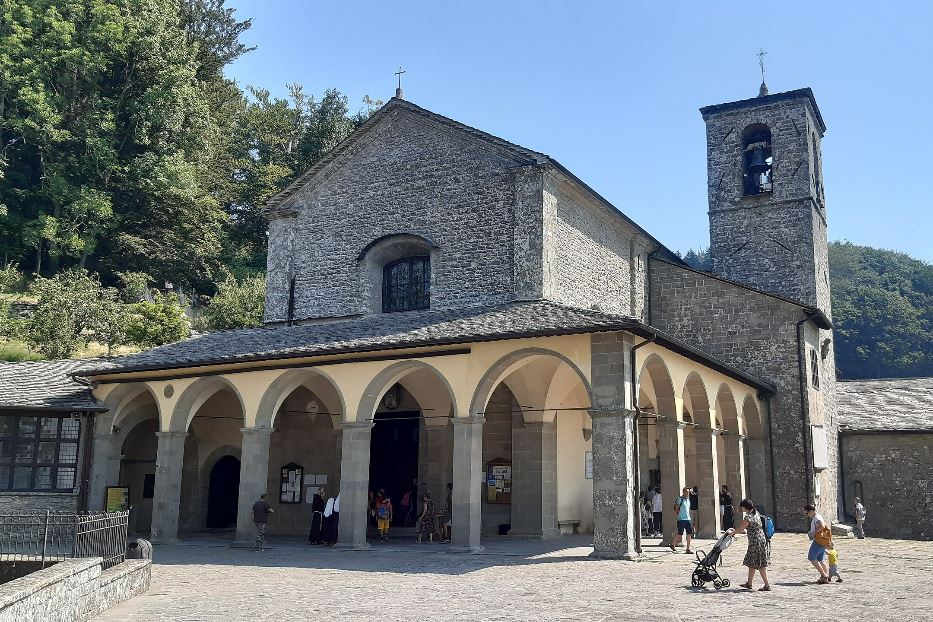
767,214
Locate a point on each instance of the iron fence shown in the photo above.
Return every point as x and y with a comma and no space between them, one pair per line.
55,536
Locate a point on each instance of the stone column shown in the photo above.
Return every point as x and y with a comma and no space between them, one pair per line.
469,479
254,481
614,522
708,484
534,480
735,466
671,455
167,495
354,485
102,473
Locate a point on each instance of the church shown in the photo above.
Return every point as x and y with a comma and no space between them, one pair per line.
445,307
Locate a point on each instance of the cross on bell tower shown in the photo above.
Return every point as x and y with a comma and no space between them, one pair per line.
763,89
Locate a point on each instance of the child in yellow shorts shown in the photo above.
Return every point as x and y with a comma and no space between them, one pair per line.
384,518
832,556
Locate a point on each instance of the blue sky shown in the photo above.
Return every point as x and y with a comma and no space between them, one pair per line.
612,89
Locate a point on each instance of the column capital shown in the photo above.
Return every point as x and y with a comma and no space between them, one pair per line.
467,420
596,413
356,425
172,434
256,431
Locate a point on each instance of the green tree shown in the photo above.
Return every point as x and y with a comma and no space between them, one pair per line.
237,303
67,310
157,323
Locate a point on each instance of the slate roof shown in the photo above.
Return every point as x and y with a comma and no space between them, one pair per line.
893,404
46,385
804,93
389,331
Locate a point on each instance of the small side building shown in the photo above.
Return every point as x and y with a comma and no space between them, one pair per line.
886,454
46,428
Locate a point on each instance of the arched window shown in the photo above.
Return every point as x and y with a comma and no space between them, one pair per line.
406,284
756,148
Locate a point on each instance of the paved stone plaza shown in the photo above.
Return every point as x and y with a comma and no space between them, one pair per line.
533,580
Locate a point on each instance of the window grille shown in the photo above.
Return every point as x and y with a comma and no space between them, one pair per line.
407,285
38,453
814,369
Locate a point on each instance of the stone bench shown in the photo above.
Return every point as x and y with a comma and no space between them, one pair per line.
568,527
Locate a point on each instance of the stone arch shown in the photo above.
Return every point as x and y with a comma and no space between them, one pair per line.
696,395
119,400
751,417
407,374
510,363
194,397
660,385
318,382
384,250
726,408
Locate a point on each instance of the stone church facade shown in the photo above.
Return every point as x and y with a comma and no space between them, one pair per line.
448,308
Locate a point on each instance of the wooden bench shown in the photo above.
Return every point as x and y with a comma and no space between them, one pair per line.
568,527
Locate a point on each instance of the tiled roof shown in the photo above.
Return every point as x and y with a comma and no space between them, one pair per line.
46,385
377,332
882,405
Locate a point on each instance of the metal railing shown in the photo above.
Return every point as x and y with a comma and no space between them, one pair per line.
47,537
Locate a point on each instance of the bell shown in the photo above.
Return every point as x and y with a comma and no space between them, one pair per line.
757,161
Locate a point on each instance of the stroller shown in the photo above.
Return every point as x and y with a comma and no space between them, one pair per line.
705,570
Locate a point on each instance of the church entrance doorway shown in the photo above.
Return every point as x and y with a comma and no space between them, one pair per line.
393,455
223,493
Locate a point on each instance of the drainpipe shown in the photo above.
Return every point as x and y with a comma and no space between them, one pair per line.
637,486
771,454
804,413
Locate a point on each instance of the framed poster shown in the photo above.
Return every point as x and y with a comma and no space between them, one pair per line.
499,481
290,483
117,498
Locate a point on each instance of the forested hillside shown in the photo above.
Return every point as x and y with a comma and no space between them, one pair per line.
882,309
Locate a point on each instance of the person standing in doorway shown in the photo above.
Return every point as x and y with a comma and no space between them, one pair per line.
261,511
817,552
405,504
384,517
695,508
327,537
758,555
684,526
725,505
448,514
657,507
859,519
317,516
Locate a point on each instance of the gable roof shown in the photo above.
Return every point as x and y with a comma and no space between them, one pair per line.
885,405
274,206
46,385
391,331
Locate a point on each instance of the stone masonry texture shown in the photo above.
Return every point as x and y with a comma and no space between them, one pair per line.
756,332
774,241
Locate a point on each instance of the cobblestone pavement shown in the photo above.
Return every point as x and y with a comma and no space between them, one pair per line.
530,580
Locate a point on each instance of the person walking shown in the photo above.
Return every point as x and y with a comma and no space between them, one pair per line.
426,521
859,519
317,516
657,507
695,508
684,525
818,543
725,505
261,511
758,555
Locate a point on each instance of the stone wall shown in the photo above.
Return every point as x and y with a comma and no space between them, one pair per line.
893,474
774,241
587,255
409,175
38,501
757,333
72,590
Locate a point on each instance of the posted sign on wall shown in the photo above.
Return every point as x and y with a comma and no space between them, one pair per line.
118,498
498,481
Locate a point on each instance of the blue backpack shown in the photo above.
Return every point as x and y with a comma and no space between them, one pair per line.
768,524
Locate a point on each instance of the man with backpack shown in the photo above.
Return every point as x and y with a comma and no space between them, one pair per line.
384,517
